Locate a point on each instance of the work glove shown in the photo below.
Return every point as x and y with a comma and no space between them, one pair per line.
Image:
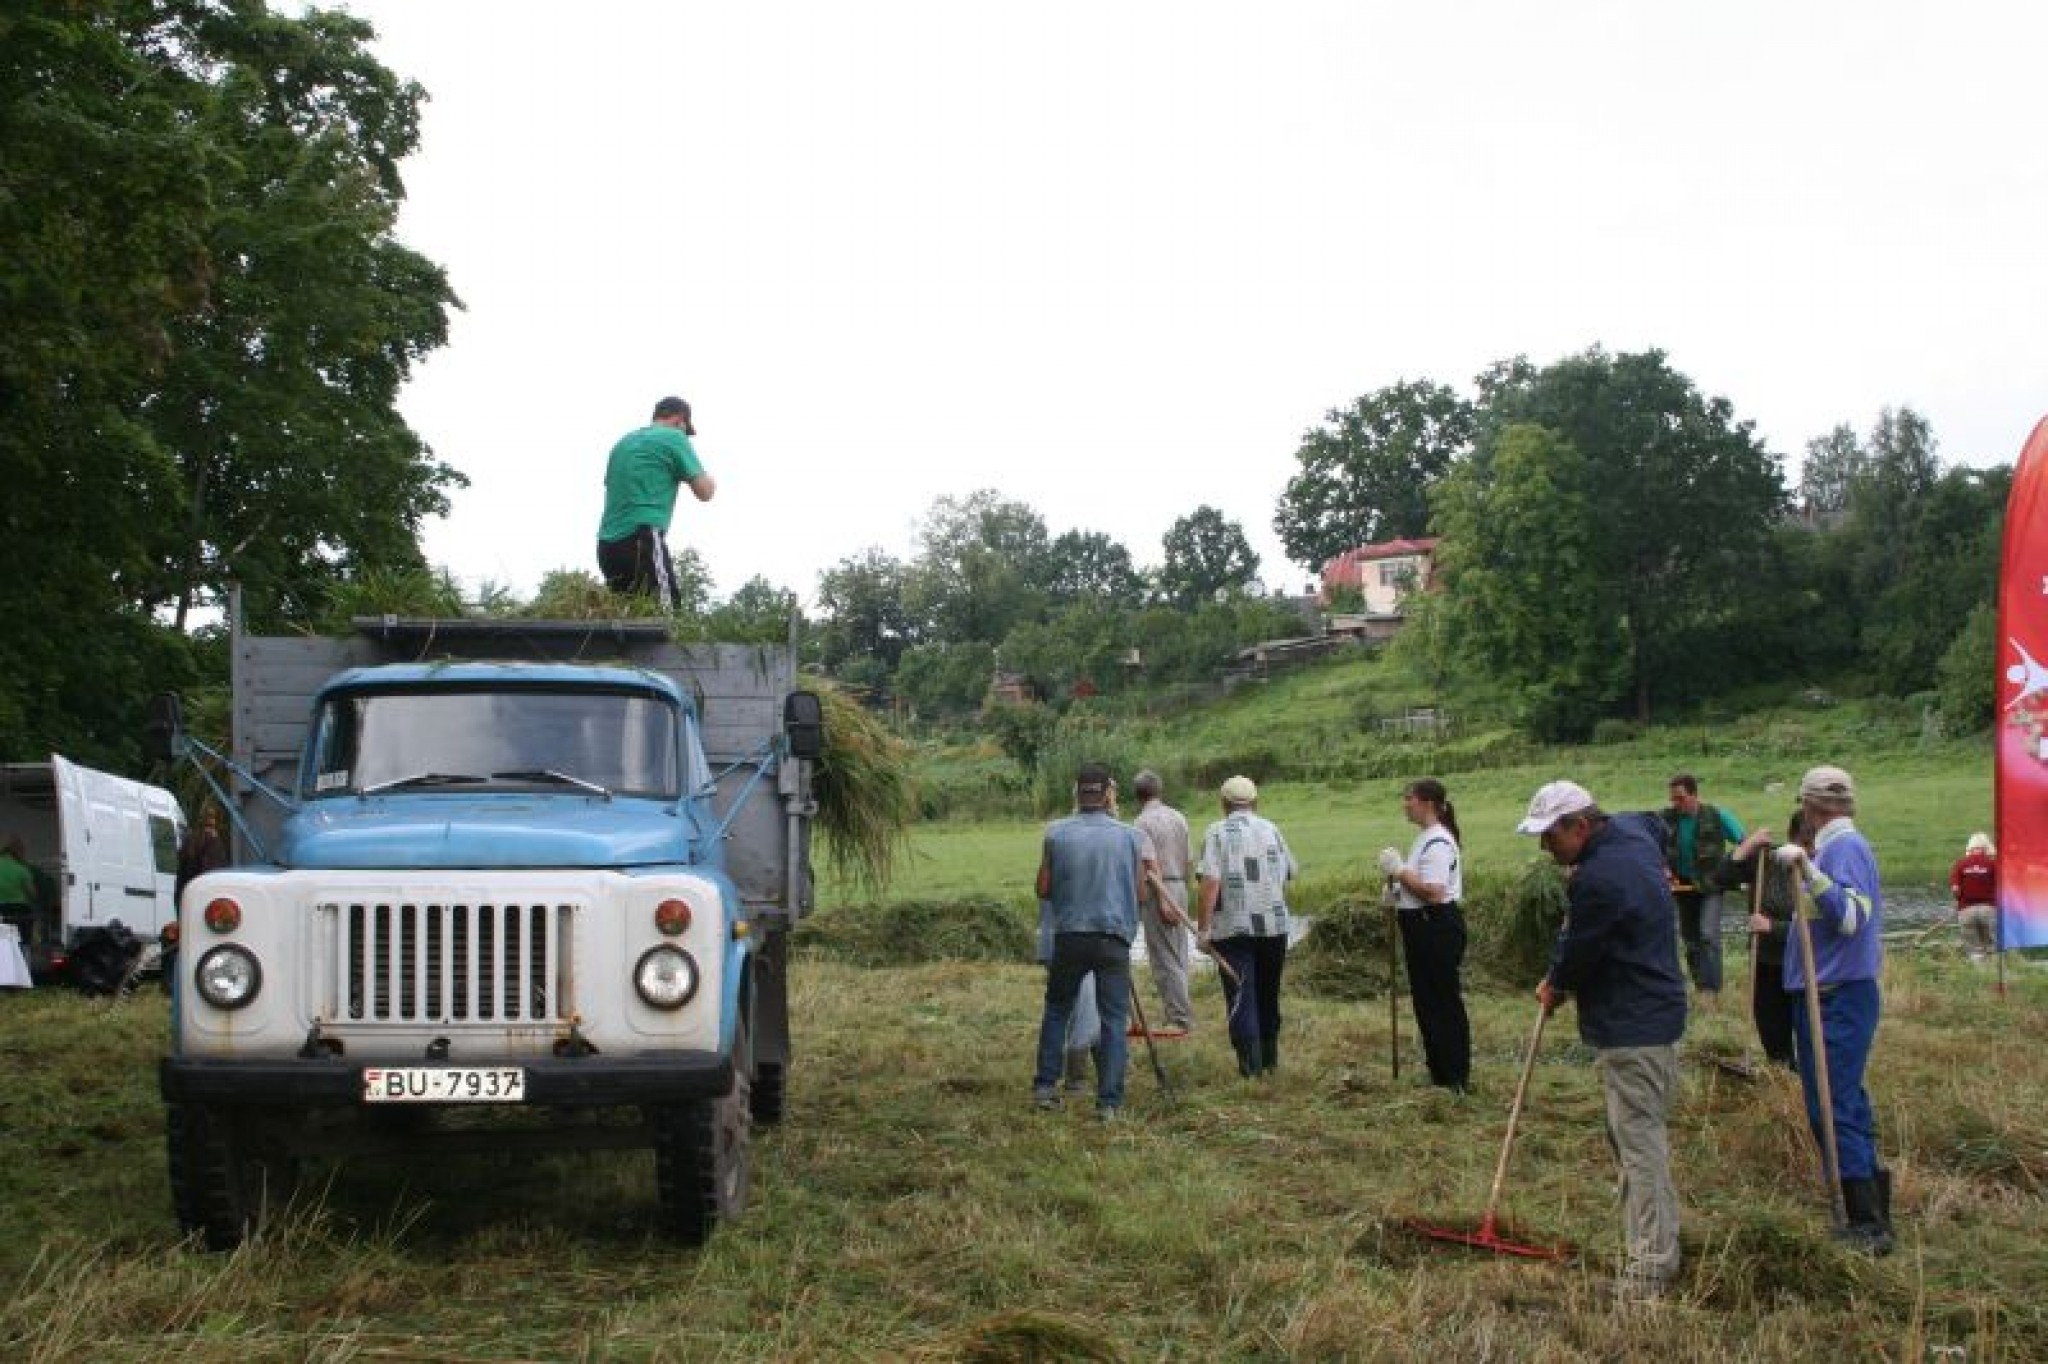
1390,862
1794,858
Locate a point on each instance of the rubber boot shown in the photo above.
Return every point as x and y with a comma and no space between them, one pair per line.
1866,1233
1269,1054
1884,1198
1247,1057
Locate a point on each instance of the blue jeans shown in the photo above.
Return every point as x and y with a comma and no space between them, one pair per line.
1699,924
1848,1027
1075,955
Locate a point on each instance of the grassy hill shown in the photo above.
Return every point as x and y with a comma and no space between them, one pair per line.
1332,779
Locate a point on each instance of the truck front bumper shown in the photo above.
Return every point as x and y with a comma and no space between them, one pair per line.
325,1082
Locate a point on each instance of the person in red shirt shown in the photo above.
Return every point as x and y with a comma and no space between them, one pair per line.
1974,882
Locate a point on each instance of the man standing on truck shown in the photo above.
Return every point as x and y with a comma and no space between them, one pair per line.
646,468
1089,873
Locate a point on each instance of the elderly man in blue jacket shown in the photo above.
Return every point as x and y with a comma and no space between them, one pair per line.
1617,956
1846,930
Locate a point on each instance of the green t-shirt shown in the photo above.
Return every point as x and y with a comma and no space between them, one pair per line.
641,478
17,882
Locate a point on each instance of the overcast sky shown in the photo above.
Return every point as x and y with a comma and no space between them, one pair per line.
1112,260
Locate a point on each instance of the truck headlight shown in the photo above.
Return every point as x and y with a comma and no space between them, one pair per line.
228,977
666,977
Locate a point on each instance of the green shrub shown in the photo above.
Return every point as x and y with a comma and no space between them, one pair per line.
1616,731
970,786
1968,674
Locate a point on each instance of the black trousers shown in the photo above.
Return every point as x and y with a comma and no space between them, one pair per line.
639,565
1251,1001
1772,1008
1434,938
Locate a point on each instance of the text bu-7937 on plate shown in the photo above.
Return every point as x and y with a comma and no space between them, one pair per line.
444,1085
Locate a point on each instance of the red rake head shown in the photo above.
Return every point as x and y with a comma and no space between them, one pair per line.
1489,1236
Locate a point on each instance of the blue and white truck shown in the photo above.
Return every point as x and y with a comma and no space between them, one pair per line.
499,885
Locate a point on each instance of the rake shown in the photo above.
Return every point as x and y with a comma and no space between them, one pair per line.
1489,1234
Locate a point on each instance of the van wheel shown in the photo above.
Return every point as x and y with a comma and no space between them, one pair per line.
227,1175
702,1155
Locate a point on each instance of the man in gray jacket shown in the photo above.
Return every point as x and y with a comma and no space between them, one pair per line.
1162,906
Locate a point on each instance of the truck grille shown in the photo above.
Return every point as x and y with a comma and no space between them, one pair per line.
451,963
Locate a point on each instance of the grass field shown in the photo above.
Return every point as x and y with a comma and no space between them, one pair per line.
1916,806
914,1207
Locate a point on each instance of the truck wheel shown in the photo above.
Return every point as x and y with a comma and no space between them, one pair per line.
225,1178
770,1079
702,1155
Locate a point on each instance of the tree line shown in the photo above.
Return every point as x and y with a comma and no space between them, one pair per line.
1614,542
208,320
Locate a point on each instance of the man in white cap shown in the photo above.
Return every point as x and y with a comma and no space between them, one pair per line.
1848,956
1245,869
1617,955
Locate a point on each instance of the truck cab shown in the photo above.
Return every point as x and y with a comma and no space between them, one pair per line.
516,884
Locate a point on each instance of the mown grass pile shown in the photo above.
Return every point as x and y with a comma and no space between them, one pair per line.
914,1207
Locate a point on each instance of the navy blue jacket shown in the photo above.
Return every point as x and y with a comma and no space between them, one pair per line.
1618,950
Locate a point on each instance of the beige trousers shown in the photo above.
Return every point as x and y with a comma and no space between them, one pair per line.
1640,1084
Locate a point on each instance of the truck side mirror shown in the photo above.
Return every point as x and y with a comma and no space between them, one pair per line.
803,720
163,729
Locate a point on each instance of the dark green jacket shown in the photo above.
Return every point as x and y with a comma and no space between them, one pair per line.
1712,832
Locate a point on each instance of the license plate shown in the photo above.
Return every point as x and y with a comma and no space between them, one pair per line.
444,1085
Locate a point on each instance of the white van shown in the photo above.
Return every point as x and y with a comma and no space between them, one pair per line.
105,848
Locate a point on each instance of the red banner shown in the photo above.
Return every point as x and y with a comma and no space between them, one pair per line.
2023,704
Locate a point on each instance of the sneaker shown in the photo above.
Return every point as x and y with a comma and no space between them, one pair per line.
1045,1100
1106,1114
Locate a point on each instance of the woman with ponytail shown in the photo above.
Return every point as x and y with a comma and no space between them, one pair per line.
1427,885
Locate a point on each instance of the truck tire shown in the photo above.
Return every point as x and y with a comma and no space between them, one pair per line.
225,1178
770,1078
702,1155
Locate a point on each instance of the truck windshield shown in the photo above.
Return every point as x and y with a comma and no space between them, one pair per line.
452,739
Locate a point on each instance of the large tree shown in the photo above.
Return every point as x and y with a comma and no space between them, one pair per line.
860,600
1206,556
983,569
1527,599
1367,472
1833,463
206,322
1677,498
278,400
1088,566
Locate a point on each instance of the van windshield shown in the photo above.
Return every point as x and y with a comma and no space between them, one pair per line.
453,739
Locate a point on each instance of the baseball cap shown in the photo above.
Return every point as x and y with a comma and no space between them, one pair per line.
1827,783
675,407
1240,791
1552,803
1092,779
